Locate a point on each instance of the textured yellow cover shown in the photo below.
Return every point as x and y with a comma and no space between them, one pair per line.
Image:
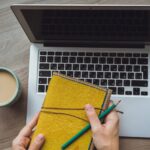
59,120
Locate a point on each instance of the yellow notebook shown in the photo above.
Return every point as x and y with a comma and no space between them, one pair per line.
62,114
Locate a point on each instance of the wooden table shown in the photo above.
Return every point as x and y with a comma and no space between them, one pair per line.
14,53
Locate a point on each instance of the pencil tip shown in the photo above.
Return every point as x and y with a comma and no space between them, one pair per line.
118,102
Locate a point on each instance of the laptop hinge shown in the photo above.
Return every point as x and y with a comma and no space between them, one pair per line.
95,44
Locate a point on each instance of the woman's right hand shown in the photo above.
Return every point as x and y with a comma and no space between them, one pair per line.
105,136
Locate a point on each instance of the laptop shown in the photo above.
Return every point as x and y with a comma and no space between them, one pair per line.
106,45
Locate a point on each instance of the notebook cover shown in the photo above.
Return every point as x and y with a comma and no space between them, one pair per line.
62,114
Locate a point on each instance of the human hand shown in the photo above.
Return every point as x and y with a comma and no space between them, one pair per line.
22,141
105,136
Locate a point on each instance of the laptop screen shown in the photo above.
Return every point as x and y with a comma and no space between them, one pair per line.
89,25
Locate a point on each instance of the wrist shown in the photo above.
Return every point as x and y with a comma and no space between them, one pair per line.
110,145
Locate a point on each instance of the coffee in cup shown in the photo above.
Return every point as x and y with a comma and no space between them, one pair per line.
10,88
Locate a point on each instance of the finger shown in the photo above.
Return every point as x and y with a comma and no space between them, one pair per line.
27,130
112,116
37,143
92,116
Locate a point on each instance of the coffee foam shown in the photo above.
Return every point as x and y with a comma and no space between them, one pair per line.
8,86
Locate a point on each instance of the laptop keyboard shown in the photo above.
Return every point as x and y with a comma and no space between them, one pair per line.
124,73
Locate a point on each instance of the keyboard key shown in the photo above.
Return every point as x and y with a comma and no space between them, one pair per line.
73,53
109,60
136,55
90,67
44,73
64,59
136,68
79,59
102,60
142,61
84,74
77,74
87,60
88,80
97,54
49,79
132,60
65,53
57,59
96,81
72,59
128,68
113,54
46,88
140,83
138,76
128,92
122,75
105,67
104,82
144,55
83,66
42,80
60,66
117,60
98,67
130,75
63,72
120,90
41,88
136,91
68,66
89,54
58,53
53,66
43,52
126,82
125,61
81,53
50,53
111,82
70,73
94,60
50,59
113,67
115,75
114,90
99,74
118,82
107,75
75,66
44,66
121,68
144,93
42,58
104,54
128,55
92,74
145,72
120,54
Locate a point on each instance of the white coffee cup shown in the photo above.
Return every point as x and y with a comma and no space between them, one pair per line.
10,87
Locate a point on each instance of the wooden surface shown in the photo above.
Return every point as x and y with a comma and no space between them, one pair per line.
14,53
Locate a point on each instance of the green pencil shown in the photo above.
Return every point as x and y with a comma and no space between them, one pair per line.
88,126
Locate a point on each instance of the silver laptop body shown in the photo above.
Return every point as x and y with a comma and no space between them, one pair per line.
89,42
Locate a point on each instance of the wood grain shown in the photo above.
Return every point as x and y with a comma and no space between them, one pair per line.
14,54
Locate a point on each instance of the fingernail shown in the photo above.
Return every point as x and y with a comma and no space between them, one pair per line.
40,137
88,107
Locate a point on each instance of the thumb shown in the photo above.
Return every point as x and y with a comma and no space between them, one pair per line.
37,143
